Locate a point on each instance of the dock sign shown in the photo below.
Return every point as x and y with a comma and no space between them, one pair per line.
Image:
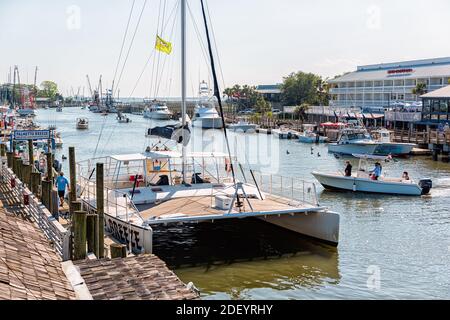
31,135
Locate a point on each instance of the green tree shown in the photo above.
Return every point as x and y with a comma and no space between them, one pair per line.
262,106
420,89
243,96
49,89
301,87
300,111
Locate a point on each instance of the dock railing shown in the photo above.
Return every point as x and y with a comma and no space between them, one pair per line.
50,226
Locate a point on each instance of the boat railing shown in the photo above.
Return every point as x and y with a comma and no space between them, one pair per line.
116,203
297,190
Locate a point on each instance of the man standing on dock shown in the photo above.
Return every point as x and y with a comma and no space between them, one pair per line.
61,183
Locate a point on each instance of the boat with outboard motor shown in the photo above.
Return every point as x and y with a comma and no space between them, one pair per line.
82,123
363,181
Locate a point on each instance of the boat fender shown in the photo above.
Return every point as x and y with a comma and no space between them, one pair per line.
354,186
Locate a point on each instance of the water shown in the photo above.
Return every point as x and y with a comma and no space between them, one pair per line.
390,247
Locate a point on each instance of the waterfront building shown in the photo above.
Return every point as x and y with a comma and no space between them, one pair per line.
382,86
436,107
271,93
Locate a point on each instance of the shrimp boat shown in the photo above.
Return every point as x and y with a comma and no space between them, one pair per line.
362,182
163,186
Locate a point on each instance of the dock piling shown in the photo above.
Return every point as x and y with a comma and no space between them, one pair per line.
100,210
118,250
79,237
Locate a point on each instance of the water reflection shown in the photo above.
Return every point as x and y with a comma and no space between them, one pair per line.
235,255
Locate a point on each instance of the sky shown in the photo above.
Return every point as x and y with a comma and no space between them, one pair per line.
257,41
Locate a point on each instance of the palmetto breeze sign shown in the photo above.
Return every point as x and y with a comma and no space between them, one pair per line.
31,135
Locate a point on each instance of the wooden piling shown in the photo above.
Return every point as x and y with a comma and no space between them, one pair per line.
19,164
3,150
118,250
30,152
79,235
90,233
54,203
100,209
73,181
26,174
35,182
10,157
49,167
46,194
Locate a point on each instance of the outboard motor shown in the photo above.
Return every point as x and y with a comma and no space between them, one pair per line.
426,185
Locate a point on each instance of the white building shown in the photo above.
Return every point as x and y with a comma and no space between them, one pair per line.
383,85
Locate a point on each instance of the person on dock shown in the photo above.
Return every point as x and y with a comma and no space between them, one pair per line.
405,176
62,183
348,169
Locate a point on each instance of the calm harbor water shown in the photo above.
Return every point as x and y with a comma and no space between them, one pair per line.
390,247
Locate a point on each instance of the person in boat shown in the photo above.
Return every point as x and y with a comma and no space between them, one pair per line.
405,176
348,169
376,172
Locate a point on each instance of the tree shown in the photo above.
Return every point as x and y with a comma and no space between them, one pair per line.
420,89
262,106
49,89
301,87
300,111
245,96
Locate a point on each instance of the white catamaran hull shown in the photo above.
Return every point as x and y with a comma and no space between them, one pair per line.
321,225
330,181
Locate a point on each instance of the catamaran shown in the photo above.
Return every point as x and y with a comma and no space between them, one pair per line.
162,186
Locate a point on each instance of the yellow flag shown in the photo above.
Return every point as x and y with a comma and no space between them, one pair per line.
163,46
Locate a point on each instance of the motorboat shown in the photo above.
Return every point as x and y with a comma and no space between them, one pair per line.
205,113
243,126
82,123
284,133
361,181
26,112
158,111
310,136
121,118
354,141
387,147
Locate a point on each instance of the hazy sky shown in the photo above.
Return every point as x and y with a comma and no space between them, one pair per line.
259,41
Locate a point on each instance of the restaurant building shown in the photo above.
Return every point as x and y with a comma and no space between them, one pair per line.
381,86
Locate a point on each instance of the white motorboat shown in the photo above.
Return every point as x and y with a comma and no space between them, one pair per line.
158,111
121,118
243,126
354,141
361,181
161,187
26,112
82,123
205,113
284,133
387,147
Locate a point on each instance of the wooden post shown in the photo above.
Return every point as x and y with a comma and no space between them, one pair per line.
46,195
79,236
19,164
3,150
73,179
49,167
10,158
90,233
30,152
54,203
35,182
100,228
26,173
118,250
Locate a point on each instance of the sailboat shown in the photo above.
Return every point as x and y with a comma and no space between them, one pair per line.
162,186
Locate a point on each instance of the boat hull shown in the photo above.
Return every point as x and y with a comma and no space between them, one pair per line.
243,128
394,149
82,127
320,225
158,116
352,148
306,139
335,182
208,123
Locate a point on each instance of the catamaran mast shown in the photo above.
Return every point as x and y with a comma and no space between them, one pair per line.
183,82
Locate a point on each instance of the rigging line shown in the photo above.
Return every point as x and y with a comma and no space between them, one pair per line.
175,23
203,48
131,44
159,52
123,40
217,94
142,73
215,44
100,136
